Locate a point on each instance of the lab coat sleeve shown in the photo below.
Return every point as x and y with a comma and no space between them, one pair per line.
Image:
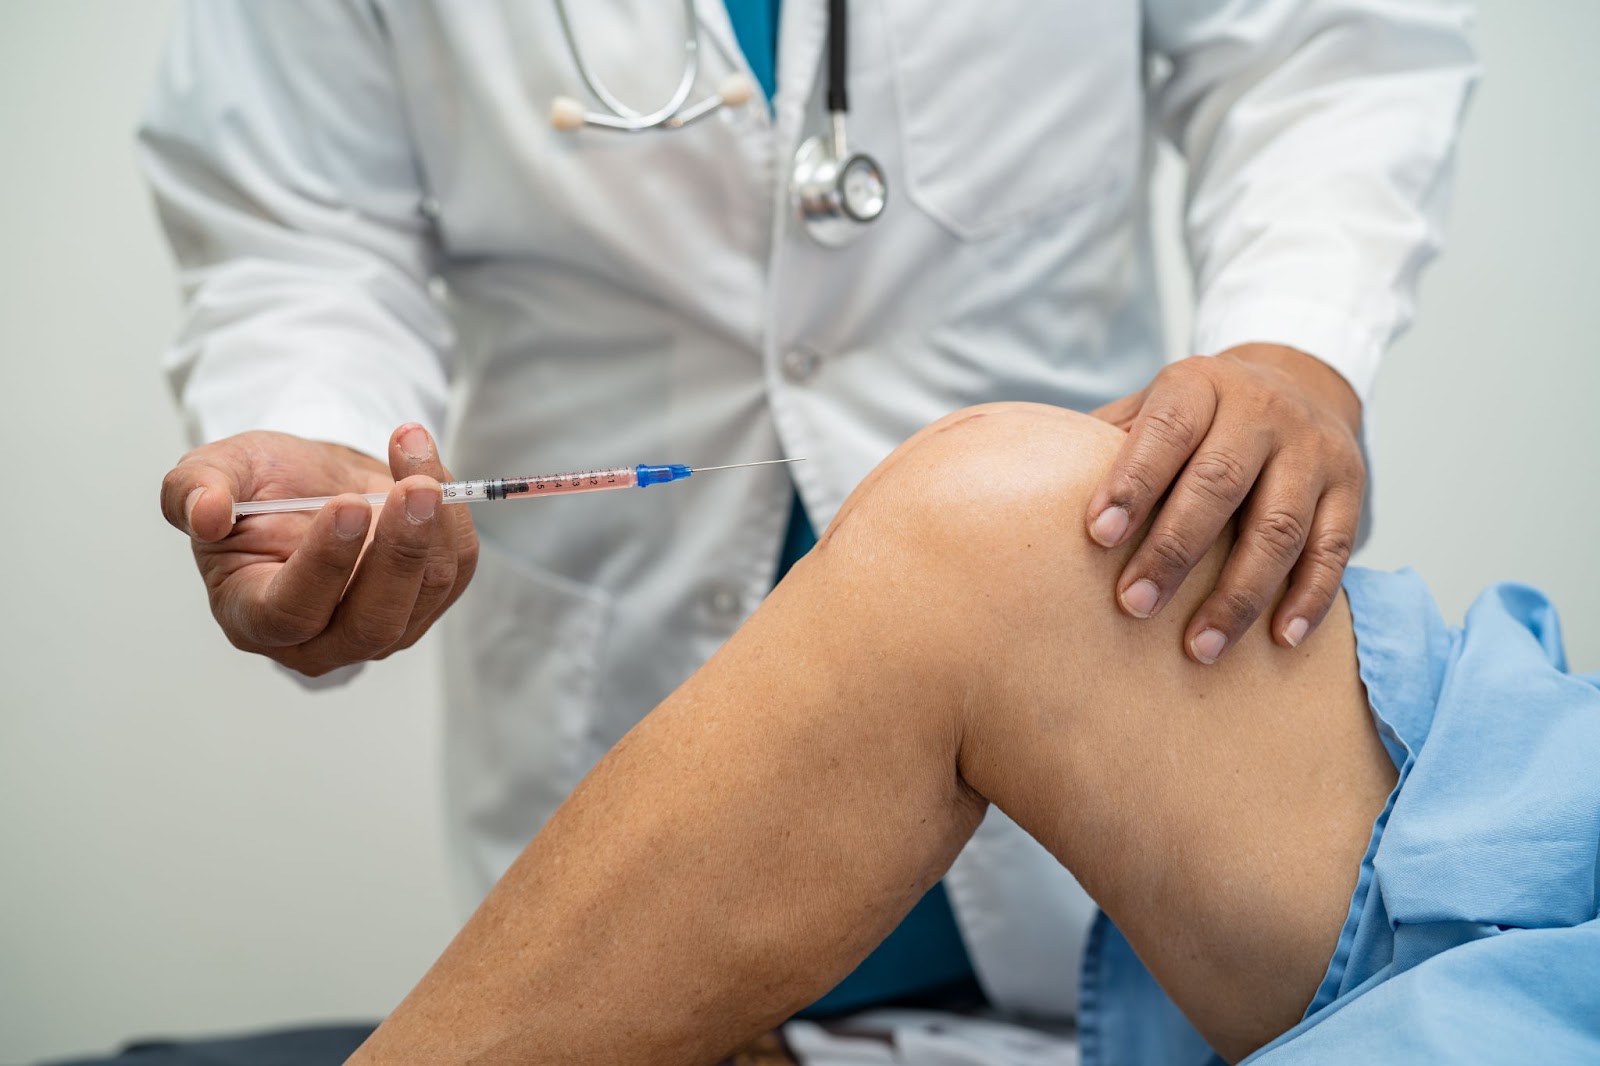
278,151
1319,136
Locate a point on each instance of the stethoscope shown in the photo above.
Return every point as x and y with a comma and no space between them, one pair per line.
835,190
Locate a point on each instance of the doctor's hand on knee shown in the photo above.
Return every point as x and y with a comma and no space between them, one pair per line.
1262,431
315,591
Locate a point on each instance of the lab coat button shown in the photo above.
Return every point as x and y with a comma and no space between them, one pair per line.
724,602
800,365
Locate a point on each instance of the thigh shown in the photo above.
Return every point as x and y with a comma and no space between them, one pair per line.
1218,815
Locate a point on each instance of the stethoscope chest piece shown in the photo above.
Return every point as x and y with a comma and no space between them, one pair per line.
834,192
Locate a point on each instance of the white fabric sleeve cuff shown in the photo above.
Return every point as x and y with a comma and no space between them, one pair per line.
330,422
1350,345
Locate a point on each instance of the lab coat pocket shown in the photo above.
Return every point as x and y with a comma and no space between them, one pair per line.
1014,109
522,669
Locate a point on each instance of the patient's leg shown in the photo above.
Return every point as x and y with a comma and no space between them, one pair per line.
951,641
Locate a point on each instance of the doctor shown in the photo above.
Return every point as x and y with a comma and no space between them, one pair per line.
413,213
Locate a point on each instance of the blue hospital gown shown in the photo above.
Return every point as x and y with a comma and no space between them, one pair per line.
1474,929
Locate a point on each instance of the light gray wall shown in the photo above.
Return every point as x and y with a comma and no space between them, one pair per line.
1488,440
189,843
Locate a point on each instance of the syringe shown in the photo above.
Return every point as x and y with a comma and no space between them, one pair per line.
516,488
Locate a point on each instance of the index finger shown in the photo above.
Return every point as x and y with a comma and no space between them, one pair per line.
295,603
1177,411
197,496
375,611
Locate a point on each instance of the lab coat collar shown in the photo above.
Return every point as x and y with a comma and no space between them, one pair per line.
803,27
718,27
802,32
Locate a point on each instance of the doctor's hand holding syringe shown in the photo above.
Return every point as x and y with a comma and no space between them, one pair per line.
310,579
297,586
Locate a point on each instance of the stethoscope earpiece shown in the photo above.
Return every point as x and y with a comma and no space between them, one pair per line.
735,90
567,114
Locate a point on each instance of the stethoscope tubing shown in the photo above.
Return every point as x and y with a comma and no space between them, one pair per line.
838,57
828,178
626,118
673,113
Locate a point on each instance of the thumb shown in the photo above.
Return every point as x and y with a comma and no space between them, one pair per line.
1121,413
412,451
197,498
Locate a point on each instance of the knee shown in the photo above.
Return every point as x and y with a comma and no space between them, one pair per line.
989,493
973,532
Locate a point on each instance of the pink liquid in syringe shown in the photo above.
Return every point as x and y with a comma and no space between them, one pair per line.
621,477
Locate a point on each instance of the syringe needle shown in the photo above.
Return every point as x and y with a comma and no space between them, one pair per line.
737,466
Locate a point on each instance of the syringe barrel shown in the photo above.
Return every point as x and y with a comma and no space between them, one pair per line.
508,488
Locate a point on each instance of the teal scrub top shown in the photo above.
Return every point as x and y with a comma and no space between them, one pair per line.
755,23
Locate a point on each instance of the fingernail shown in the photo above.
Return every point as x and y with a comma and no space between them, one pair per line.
348,521
421,503
414,442
1139,599
1110,527
189,503
1207,647
1295,631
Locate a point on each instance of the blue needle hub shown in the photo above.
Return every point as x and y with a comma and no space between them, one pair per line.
659,475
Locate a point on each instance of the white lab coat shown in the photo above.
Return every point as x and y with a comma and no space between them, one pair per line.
327,170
